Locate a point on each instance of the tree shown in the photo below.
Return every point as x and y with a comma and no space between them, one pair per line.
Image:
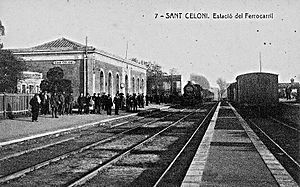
153,69
55,81
11,70
223,86
55,74
154,72
173,71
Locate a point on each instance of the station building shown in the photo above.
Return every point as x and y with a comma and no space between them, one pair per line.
30,83
90,70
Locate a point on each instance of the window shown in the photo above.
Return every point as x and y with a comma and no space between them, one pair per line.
31,88
23,90
133,85
109,86
117,83
102,82
138,85
126,84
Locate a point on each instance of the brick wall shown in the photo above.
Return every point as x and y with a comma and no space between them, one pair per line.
106,68
72,72
96,63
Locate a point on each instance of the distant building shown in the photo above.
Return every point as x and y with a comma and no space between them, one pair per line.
91,70
30,83
164,85
216,93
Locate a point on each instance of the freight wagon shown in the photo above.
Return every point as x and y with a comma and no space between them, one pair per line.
254,89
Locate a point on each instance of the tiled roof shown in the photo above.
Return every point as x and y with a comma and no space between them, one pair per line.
61,43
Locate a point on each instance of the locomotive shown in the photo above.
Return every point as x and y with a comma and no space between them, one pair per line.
195,94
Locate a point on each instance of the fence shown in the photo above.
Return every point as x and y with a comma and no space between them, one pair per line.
14,103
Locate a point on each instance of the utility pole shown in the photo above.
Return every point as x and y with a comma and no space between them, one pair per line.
126,49
259,61
85,89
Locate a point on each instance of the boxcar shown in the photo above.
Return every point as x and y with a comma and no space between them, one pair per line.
232,92
257,89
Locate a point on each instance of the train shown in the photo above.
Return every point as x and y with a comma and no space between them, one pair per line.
194,94
258,90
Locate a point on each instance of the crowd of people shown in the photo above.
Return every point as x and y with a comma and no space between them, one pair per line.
63,103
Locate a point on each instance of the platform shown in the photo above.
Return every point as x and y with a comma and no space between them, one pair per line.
20,129
231,154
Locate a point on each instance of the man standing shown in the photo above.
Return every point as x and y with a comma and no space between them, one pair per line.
61,106
80,101
109,104
94,103
44,103
35,107
142,100
103,101
87,104
54,101
69,103
128,103
117,101
135,102
98,104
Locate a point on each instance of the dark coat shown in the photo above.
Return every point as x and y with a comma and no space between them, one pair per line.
35,105
54,101
117,101
81,101
109,102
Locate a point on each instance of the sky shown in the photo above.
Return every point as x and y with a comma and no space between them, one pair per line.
214,48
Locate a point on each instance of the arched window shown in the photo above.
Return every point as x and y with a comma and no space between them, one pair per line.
117,84
109,84
142,86
133,85
23,88
138,85
126,84
102,82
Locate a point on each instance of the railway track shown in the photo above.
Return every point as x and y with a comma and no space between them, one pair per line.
43,151
124,141
163,159
15,149
282,140
166,177
289,125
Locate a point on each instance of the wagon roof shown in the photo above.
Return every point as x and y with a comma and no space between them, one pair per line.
256,73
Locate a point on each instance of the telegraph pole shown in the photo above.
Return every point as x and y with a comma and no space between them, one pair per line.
126,49
259,61
85,90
